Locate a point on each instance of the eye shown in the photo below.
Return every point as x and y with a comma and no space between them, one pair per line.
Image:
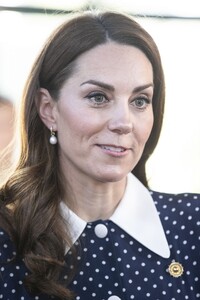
97,98
141,102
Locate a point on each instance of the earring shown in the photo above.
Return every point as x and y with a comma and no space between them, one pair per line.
53,139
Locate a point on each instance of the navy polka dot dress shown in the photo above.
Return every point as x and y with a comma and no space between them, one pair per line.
158,259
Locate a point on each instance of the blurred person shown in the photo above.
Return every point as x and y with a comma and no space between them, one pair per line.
6,122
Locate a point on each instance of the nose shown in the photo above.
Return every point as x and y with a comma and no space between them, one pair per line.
121,121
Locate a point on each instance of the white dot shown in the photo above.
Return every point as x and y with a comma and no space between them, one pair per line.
170,284
137,273
130,281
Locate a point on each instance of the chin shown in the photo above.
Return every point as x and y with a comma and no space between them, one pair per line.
113,176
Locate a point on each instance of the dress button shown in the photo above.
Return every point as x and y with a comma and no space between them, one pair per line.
114,298
101,230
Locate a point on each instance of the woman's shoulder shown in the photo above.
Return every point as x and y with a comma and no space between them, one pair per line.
7,248
178,208
182,199
12,271
163,195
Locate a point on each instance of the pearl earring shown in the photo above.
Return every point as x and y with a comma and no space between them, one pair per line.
53,139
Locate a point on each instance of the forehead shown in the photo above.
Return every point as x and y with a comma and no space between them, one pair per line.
114,59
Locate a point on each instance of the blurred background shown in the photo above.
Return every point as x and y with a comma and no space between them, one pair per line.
174,25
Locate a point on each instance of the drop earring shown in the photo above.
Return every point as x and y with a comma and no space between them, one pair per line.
53,139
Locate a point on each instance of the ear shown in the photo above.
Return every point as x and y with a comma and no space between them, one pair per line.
46,108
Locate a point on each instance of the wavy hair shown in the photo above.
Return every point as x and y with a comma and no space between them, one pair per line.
30,199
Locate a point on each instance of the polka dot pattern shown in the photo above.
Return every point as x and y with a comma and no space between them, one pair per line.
114,266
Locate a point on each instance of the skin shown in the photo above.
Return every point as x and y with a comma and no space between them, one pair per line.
103,119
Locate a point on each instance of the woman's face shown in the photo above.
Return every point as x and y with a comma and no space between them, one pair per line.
104,113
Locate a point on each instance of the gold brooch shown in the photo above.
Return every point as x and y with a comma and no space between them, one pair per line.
175,269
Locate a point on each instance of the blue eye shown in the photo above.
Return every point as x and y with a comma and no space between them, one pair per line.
141,102
97,98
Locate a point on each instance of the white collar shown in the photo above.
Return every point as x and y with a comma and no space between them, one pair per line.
136,214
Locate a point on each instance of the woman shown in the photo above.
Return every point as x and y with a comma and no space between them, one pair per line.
76,224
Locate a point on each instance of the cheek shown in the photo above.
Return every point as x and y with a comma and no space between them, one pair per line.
77,124
145,128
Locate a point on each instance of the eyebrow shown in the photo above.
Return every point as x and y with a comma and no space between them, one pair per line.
111,87
100,84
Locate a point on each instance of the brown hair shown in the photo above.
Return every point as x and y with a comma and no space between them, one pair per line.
35,188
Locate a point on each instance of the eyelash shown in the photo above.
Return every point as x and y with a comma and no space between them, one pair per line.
145,99
92,97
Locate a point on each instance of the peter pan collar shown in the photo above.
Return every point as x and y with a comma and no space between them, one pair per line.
136,214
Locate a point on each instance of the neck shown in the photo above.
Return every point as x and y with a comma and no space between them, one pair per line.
94,200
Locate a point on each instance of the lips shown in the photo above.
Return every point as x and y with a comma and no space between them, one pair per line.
113,148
